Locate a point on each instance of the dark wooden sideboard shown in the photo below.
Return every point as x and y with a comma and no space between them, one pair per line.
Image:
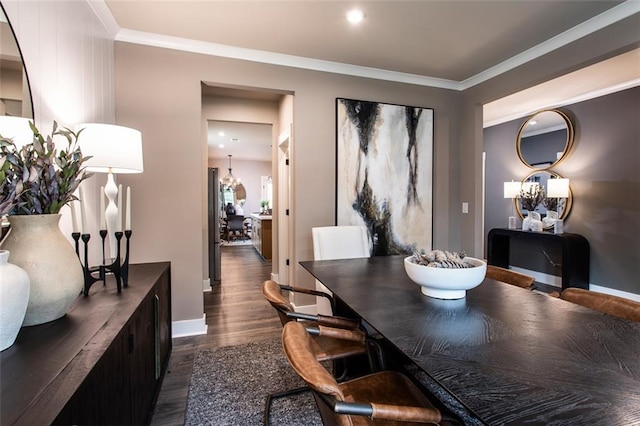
574,250
101,364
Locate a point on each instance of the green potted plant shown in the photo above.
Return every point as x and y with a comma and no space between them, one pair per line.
265,206
37,181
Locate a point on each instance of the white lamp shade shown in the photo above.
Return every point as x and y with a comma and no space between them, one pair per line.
114,149
558,188
512,189
17,129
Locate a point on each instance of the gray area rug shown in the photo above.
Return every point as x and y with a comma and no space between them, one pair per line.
229,385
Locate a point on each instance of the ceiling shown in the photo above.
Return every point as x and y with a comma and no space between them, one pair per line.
449,44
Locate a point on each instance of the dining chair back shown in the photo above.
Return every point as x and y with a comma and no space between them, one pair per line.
381,398
510,276
606,303
235,227
333,339
338,242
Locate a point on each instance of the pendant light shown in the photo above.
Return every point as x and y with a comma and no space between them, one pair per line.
229,181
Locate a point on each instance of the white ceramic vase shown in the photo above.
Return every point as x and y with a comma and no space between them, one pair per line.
533,222
14,296
38,246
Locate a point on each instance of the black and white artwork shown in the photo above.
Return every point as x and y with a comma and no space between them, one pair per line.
384,173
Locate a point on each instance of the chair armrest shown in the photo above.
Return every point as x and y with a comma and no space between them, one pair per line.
401,413
339,322
307,291
338,333
404,413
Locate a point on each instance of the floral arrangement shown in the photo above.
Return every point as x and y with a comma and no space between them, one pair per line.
37,179
441,259
550,203
530,199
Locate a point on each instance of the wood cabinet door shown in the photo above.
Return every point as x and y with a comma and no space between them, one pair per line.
142,354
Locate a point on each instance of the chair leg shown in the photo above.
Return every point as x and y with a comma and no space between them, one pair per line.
271,397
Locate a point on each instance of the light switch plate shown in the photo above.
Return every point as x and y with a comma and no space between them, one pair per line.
465,207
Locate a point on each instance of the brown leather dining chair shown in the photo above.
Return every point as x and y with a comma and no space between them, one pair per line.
605,303
380,398
510,276
332,338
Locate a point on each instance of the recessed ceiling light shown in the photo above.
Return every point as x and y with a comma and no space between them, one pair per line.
355,16
221,145
220,133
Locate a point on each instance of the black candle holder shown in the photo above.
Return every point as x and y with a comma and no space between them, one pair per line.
93,274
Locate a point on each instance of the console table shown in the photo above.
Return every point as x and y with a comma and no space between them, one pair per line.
574,248
100,364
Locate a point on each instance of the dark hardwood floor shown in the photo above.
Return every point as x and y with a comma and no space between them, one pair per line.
236,313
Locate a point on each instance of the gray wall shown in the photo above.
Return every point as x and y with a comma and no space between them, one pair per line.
604,172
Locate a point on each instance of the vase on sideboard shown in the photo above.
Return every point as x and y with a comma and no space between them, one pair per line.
14,296
38,246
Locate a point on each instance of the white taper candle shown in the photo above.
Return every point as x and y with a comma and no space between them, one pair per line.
74,219
119,225
103,221
83,213
128,217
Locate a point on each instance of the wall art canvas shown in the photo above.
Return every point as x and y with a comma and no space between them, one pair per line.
384,173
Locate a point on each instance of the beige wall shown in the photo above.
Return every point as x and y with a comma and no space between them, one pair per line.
158,92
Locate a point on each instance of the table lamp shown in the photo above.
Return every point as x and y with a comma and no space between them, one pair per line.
512,190
17,129
113,149
558,188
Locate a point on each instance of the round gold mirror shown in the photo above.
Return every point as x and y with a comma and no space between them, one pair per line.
545,139
556,199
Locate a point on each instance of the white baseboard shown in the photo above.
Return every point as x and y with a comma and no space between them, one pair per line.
554,281
614,292
540,277
192,327
206,285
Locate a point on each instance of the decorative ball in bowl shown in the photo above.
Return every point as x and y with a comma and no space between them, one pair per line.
445,275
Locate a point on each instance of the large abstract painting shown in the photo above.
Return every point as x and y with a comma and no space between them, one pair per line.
384,173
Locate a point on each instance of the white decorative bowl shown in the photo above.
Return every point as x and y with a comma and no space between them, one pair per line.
446,283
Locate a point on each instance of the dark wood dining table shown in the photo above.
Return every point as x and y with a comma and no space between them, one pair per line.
503,355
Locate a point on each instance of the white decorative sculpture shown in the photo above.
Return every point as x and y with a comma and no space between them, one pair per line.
533,222
550,219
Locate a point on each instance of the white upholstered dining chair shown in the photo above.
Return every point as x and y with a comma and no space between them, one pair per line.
337,242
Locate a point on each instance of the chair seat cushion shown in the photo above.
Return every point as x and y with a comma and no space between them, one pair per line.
385,387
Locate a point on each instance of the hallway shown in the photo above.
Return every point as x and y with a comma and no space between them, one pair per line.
236,313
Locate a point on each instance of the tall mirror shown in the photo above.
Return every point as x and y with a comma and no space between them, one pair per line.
550,207
15,93
545,139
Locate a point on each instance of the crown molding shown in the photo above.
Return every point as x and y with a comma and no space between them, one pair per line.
105,16
570,101
611,16
225,51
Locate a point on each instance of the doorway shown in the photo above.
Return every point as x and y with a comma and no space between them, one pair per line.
244,108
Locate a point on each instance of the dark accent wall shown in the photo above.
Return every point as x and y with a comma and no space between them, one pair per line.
604,172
